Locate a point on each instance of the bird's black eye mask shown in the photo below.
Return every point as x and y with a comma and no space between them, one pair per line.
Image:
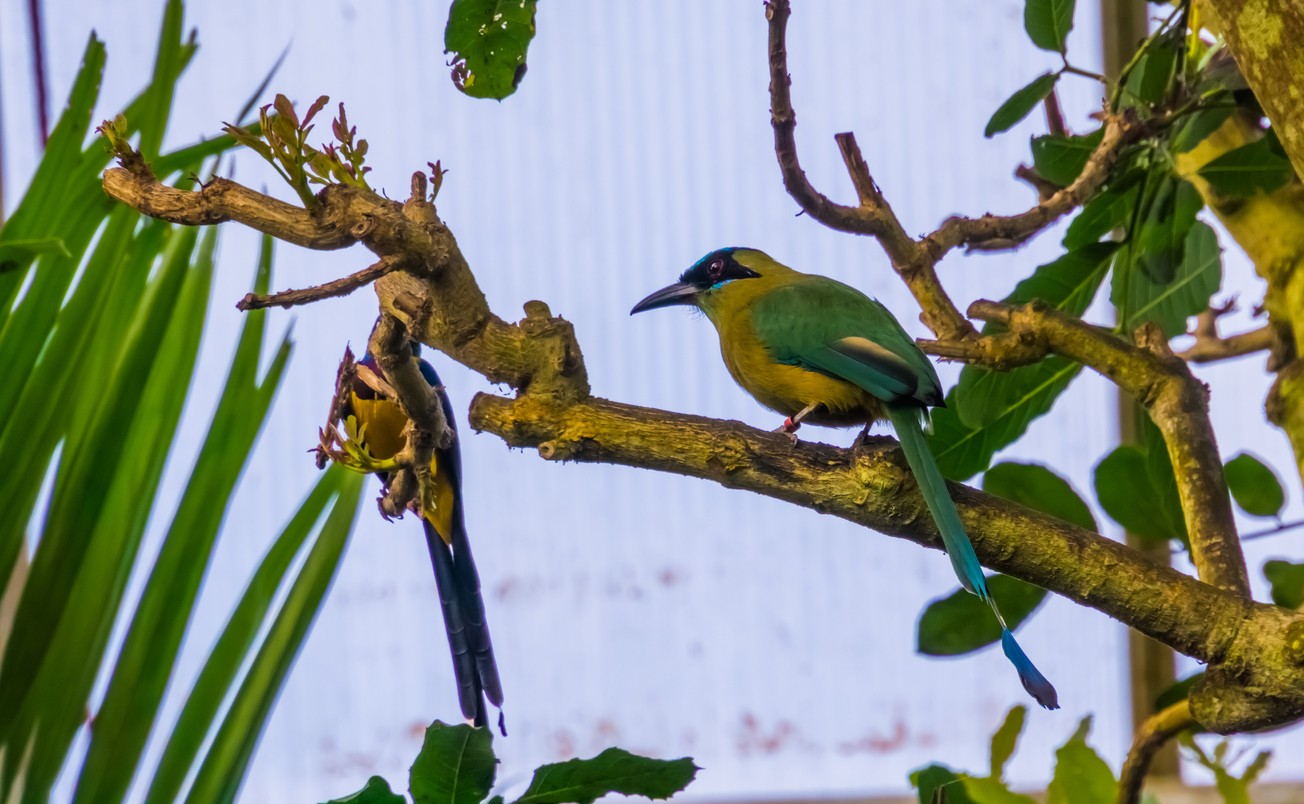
715,269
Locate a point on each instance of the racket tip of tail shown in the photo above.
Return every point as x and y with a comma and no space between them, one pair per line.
1037,685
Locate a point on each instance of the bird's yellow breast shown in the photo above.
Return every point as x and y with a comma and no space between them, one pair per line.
383,437
782,387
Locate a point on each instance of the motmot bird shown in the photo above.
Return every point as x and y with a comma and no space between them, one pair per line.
381,426
819,351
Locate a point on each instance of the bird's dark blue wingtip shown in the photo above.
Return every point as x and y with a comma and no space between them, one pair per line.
1033,681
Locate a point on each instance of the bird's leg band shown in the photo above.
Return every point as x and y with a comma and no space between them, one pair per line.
791,424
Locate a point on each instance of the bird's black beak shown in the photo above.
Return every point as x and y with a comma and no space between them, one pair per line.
678,293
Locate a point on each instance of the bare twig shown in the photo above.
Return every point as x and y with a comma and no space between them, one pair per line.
1153,734
1244,343
337,287
916,260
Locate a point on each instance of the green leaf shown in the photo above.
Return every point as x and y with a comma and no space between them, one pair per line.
1161,242
1287,579
938,784
1081,776
1061,159
1179,691
1037,487
582,781
227,761
1020,104
488,40
456,765
1233,789
149,652
962,623
376,791
1048,23
963,451
229,653
1254,486
1258,167
1108,211
1139,299
1134,498
989,410
12,251
1199,125
1149,80
983,790
1005,739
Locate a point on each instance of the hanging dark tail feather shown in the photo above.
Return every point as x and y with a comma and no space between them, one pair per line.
477,627
464,666
906,421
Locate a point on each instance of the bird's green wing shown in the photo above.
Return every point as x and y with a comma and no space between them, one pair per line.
826,326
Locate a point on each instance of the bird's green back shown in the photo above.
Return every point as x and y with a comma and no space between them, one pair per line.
824,325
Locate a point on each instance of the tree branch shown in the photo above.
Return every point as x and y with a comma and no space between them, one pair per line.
916,260
1162,383
435,298
1153,734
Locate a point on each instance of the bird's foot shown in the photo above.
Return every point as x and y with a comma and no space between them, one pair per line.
789,427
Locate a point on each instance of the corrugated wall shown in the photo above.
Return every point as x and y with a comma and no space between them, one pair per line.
662,614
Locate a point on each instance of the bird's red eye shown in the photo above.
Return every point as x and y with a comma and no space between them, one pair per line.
716,269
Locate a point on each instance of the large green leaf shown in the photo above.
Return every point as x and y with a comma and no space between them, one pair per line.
1006,738
1287,580
1069,283
1149,79
962,622
1060,159
938,783
1037,487
1020,104
583,781
488,40
1160,243
1134,497
1081,776
1140,299
1258,167
227,760
144,664
989,410
962,451
1254,486
1048,22
85,517
193,725
376,791
456,765
1103,214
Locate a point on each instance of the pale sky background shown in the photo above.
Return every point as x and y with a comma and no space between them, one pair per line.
665,615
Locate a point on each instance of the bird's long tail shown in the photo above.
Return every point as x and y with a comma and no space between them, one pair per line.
906,421
464,622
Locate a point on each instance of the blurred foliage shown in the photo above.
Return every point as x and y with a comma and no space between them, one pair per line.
101,316
457,765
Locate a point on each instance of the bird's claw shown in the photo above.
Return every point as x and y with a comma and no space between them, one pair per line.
790,428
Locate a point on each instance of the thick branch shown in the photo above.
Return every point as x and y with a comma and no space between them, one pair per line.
1153,734
436,300
1264,36
874,487
1177,402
